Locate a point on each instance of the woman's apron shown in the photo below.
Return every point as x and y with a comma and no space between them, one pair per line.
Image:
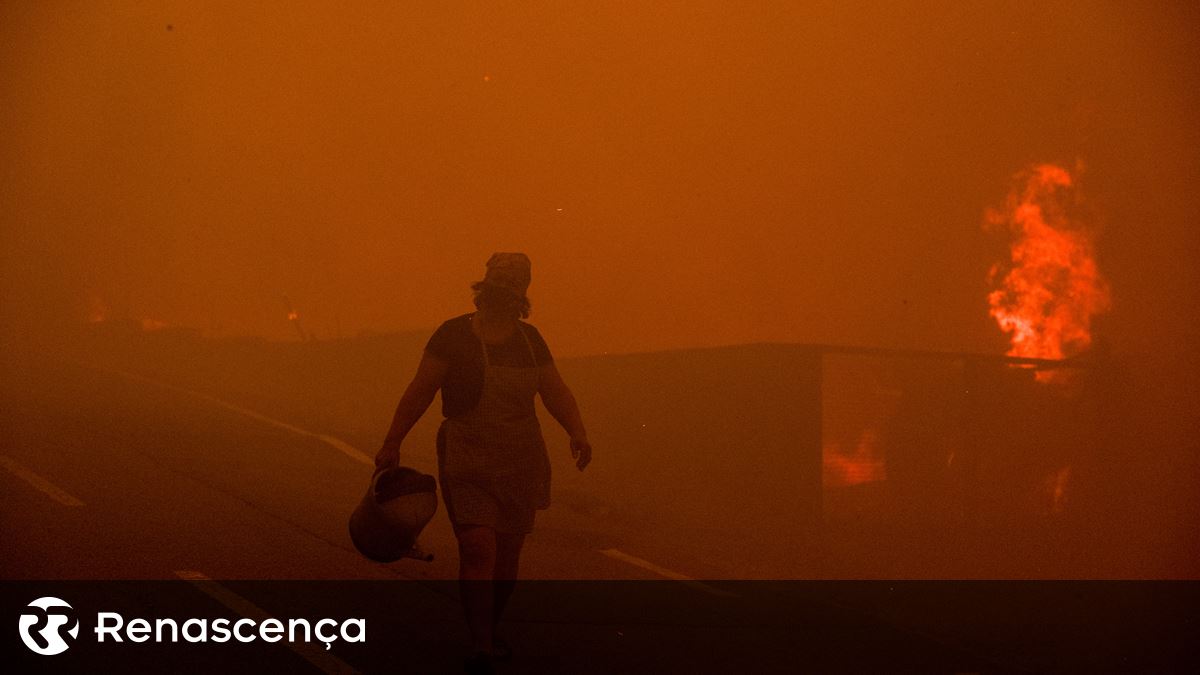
492,461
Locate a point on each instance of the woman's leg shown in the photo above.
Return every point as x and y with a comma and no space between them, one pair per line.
508,555
476,572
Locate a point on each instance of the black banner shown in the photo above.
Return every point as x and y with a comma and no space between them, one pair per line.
202,625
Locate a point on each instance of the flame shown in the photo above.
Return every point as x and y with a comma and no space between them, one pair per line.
292,316
1056,487
1051,287
863,464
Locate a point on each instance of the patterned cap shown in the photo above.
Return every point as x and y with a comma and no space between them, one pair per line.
510,271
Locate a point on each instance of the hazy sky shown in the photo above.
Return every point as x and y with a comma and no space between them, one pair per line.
680,173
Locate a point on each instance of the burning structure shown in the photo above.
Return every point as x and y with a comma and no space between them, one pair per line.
1048,291
985,443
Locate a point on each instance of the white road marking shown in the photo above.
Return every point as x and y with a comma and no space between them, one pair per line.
312,653
333,442
664,572
50,489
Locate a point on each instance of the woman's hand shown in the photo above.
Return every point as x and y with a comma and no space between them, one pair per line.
561,403
417,397
581,451
386,458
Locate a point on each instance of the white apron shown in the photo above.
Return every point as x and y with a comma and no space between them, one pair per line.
492,461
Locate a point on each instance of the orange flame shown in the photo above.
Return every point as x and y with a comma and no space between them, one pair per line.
1051,287
862,464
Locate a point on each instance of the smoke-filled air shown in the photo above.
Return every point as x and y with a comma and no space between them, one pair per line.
716,290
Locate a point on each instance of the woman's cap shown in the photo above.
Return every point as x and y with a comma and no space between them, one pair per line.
510,271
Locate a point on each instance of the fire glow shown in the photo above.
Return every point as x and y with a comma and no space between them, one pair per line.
1047,293
862,464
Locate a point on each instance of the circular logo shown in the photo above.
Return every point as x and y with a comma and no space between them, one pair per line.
45,625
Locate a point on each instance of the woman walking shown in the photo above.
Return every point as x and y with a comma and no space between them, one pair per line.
492,462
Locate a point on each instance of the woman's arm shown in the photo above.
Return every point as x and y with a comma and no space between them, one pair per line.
559,400
416,399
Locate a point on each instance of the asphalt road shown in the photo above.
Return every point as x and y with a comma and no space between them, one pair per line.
167,480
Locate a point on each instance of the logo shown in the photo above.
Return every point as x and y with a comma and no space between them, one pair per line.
44,623
49,626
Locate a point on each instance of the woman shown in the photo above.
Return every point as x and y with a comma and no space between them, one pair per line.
492,461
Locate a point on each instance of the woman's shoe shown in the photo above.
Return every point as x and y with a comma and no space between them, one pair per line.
479,663
501,650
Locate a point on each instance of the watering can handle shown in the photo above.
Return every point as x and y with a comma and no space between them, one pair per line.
417,553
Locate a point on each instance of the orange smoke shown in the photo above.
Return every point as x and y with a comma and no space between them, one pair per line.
97,311
1056,488
1049,290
